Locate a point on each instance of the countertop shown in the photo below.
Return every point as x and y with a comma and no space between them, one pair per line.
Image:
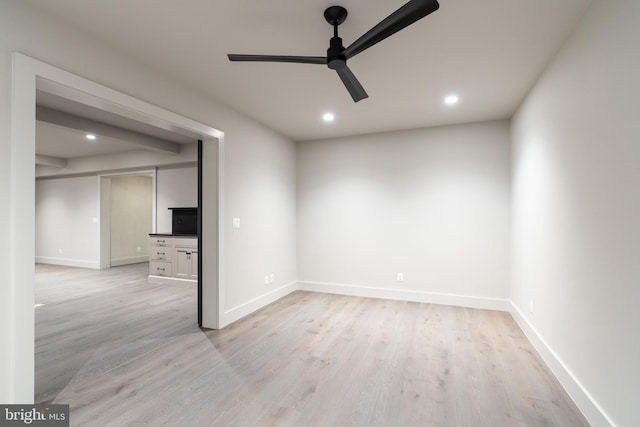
172,235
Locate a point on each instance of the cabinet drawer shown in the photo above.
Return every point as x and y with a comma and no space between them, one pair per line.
160,253
161,241
157,268
185,242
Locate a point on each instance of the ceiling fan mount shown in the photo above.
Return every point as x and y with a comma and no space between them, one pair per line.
337,54
335,15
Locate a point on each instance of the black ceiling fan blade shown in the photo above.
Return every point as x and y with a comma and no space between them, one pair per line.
401,18
352,84
279,58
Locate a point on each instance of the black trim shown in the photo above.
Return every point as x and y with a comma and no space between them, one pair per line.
200,257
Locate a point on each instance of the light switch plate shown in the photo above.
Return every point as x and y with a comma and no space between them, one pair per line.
236,222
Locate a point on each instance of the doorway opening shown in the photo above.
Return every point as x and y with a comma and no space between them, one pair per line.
128,215
130,218
31,75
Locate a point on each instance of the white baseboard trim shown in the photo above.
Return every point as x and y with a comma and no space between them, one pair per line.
242,310
68,262
582,398
407,295
130,260
164,280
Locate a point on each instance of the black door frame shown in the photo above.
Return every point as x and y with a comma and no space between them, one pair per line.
200,233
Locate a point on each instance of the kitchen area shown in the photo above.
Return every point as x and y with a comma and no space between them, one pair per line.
173,255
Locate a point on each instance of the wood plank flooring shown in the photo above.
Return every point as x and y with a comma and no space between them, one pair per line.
123,352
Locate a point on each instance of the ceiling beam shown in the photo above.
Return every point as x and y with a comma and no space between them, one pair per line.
56,162
67,120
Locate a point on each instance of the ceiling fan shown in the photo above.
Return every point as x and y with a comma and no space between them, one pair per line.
337,54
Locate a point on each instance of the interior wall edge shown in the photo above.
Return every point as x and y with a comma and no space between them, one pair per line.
580,395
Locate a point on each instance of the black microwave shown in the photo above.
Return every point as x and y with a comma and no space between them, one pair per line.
184,220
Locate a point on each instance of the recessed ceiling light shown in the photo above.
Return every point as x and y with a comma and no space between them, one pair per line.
328,117
451,99
91,136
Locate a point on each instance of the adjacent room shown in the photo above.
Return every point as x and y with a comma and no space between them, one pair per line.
430,221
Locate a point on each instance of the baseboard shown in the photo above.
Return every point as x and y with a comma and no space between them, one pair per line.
407,295
68,262
130,260
582,398
242,310
164,280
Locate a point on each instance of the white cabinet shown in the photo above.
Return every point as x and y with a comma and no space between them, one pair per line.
160,253
186,258
186,263
160,257
173,258
194,265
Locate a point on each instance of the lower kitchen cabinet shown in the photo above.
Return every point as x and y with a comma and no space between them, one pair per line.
173,258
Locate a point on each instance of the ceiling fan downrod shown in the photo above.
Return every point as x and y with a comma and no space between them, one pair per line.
336,15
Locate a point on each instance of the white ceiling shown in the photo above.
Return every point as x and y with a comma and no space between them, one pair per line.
490,52
57,141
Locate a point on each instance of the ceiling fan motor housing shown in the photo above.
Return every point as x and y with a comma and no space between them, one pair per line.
335,56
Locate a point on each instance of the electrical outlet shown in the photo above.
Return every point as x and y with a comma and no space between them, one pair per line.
271,277
266,279
138,249
60,251
400,277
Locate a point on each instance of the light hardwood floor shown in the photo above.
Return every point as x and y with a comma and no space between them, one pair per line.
123,352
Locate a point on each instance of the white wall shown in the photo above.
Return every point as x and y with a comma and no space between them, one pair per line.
175,188
131,218
267,240
65,231
576,212
261,179
7,329
55,196
430,203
